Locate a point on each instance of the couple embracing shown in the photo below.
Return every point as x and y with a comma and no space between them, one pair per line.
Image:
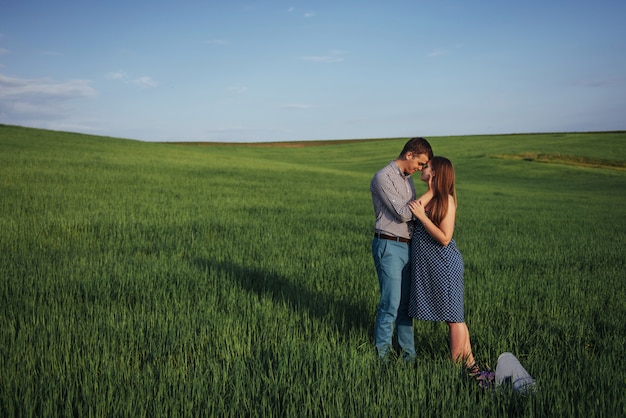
420,270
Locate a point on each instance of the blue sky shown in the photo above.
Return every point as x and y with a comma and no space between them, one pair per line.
298,70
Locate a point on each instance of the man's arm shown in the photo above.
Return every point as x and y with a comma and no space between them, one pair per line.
392,198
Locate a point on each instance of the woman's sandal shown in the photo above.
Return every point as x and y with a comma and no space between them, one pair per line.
483,375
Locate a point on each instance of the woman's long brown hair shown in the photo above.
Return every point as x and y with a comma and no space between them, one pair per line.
443,184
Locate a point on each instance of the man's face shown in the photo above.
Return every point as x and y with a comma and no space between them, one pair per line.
415,162
426,173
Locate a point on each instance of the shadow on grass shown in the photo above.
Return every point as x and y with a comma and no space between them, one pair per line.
344,315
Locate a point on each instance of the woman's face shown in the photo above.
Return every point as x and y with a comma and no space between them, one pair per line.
426,173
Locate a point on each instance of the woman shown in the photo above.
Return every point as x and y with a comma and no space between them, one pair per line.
436,263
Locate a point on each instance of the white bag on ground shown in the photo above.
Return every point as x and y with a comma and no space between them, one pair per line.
510,371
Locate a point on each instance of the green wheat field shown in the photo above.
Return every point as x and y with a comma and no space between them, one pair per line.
170,279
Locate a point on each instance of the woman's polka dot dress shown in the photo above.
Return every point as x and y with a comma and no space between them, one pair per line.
436,279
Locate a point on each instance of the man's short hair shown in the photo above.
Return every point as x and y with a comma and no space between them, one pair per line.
417,145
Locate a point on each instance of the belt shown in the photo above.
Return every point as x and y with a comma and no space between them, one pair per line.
392,238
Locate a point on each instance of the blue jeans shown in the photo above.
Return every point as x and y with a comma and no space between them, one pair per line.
394,278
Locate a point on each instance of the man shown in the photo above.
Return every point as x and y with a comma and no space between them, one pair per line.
392,189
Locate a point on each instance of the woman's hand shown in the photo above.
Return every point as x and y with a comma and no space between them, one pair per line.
417,208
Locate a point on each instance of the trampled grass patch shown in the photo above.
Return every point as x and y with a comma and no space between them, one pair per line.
232,280
577,160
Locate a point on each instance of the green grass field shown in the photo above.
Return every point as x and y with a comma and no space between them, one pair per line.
152,279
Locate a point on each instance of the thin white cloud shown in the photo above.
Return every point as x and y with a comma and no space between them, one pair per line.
41,110
116,75
291,9
334,56
437,53
309,14
145,82
13,87
40,102
4,51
